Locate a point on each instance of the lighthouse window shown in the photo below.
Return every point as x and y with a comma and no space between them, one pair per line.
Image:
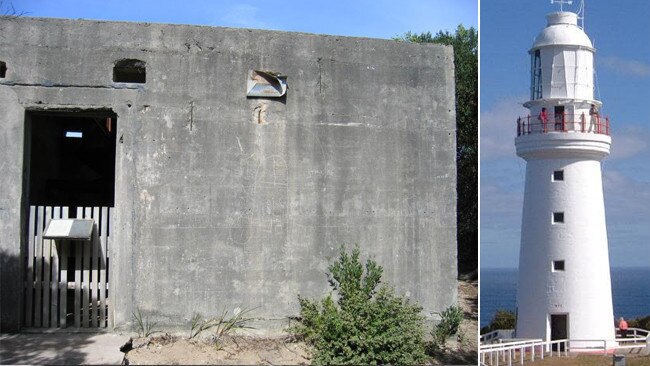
536,76
558,217
558,175
558,266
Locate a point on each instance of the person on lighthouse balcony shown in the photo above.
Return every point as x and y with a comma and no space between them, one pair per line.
543,118
595,120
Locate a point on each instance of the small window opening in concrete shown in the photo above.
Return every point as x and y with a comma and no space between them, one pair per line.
130,71
70,158
558,266
558,175
3,69
558,217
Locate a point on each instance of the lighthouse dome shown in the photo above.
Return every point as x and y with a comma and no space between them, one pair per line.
562,29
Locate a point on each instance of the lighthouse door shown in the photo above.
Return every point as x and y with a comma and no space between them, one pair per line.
559,329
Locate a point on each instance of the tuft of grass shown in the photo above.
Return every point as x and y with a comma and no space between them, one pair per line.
198,325
223,325
145,326
448,326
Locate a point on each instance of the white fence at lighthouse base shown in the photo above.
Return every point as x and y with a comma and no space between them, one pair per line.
518,351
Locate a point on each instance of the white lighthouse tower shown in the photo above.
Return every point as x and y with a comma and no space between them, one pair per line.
564,286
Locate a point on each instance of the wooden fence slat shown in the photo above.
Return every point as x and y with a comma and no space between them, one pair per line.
29,283
63,279
103,219
94,259
54,284
63,284
107,255
86,276
39,267
77,276
47,270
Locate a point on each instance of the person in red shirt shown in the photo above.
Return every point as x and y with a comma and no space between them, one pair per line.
543,117
622,327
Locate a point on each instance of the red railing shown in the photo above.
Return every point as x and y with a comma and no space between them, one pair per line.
564,122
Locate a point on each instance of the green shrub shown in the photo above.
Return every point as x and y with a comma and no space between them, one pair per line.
365,325
502,319
643,323
447,327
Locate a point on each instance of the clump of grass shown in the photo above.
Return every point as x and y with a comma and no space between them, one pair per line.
145,326
223,325
198,325
448,326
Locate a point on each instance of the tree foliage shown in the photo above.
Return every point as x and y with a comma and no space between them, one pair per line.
465,43
8,11
640,322
366,323
502,319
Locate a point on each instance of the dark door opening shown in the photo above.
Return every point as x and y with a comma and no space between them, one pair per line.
559,118
71,158
559,329
69,173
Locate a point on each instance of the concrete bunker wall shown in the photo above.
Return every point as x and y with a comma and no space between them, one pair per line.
223,200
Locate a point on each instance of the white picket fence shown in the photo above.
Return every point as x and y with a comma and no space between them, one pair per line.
517,351
56,270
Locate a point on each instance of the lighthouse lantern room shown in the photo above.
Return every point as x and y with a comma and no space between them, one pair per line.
564,288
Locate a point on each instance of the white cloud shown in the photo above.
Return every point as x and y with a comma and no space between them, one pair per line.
627,206
499,128
630,141
627,198
624,66
243,15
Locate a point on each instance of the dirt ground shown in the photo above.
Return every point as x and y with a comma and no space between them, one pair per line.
241,350
250,350
464,349
584,360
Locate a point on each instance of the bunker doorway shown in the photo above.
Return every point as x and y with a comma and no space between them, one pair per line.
69,175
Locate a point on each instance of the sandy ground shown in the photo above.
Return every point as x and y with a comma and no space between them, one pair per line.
463,350
241,350
249,350
630,360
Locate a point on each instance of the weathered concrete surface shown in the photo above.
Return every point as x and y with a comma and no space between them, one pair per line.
224,201
11,178
61,349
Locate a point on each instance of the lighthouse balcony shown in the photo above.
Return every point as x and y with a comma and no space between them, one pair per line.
565,122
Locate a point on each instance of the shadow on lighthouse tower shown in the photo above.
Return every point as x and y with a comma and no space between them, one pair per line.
564,289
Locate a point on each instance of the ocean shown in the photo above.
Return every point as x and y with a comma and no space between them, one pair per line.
630,292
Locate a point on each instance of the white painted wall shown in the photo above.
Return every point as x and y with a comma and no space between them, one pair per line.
583,289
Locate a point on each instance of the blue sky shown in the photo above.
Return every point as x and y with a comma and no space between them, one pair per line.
363,18
620,34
